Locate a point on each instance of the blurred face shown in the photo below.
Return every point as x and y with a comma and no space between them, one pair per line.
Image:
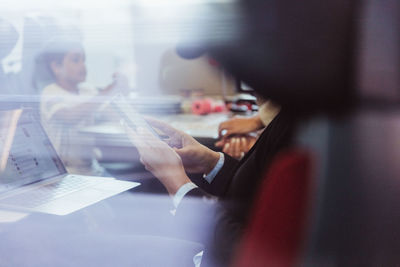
72,69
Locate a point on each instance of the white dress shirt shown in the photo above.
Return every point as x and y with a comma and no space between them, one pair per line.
184,189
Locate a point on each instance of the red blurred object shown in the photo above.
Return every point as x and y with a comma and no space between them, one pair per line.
275,234
206,106
219,108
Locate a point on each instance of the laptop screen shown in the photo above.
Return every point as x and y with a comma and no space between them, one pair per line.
26,154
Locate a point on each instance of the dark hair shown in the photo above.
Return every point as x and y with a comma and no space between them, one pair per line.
53,51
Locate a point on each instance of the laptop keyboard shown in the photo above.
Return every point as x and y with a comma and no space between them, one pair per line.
45,193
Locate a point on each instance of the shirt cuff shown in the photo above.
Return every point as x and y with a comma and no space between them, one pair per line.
182,191
210,177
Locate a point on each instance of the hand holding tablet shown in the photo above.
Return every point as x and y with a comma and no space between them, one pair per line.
129,115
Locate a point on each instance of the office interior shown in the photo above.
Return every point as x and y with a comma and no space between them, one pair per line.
329,197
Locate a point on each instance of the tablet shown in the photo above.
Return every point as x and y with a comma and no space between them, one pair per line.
130,116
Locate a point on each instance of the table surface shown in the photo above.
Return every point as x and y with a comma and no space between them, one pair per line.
129,229
195,125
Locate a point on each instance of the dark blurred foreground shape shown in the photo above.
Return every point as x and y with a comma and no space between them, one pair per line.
299,54
338,62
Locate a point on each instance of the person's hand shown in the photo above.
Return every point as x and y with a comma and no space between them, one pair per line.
196,158
240,125
158,158
236,146
119,84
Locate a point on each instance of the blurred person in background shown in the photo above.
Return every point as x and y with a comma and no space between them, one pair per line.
67,105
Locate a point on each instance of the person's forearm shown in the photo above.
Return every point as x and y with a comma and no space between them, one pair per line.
173,182
211,161
267,112
222,179
209,177
257,122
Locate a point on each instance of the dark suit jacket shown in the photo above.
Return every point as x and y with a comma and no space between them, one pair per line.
236,185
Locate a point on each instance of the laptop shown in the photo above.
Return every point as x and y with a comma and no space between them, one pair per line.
32,176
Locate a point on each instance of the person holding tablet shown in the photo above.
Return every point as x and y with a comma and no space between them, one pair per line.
234,182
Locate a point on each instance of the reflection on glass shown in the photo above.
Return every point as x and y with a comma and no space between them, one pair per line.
8,128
